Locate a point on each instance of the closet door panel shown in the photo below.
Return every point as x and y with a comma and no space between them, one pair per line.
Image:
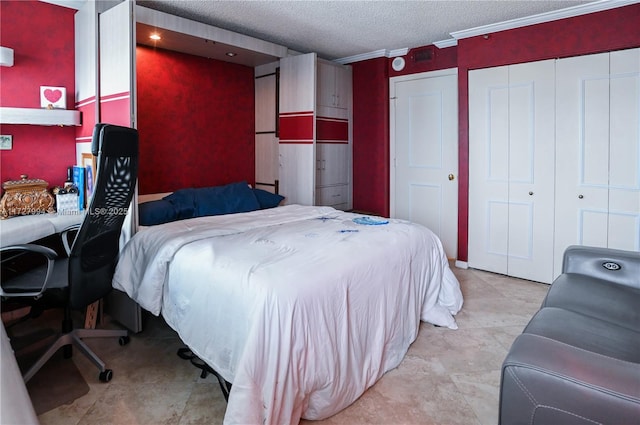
489,169
531,170
624,145
582,153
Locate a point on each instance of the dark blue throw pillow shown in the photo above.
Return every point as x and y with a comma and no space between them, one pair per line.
184,201
156,212
267,199
229,199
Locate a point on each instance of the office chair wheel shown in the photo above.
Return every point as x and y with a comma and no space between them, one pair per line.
124,340
106,375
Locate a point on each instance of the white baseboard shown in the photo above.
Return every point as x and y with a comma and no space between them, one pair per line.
462,264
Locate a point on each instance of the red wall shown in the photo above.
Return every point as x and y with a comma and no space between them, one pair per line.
597,32
42,37
195,119
371,136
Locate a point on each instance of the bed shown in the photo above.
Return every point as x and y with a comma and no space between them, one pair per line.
301,308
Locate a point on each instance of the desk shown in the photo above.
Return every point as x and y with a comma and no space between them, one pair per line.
16,407
29,228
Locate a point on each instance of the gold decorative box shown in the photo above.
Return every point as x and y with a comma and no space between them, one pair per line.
25,196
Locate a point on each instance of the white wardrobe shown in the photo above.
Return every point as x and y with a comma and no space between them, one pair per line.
314,154
554,151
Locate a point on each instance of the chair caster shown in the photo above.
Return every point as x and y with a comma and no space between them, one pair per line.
124,340
106,375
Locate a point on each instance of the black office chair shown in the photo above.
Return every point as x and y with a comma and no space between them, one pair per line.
76,281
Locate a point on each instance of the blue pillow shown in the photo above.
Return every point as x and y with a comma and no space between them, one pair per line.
156,212
267,199
184,201
229,199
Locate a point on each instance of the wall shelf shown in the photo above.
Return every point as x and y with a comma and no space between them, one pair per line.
36,116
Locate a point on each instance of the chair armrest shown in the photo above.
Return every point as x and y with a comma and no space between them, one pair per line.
22,249
612,265
64,234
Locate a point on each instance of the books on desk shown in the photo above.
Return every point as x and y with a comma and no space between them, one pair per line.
79,183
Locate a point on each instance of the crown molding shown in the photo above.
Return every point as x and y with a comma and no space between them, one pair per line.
382,53
450,42
569,12
362,57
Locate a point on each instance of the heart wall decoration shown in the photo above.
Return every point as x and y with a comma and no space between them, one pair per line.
53,97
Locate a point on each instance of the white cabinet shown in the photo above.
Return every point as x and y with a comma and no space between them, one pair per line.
598,151
315,132
332,166
334,85
554,150
511,148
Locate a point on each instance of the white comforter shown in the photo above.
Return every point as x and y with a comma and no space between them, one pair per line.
299,307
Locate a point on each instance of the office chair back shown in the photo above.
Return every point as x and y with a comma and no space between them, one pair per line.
95,250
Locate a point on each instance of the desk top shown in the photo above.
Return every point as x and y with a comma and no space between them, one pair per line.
29,228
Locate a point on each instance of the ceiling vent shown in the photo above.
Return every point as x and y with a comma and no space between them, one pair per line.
424,54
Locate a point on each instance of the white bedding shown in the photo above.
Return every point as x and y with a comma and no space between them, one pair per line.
299,307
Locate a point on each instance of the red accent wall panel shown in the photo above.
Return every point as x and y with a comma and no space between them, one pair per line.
296,127
371,136
195,119
116,109
42,57
87,108
330,130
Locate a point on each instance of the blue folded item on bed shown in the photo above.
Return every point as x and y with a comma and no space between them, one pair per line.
371,221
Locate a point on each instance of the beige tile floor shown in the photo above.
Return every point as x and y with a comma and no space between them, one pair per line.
447,377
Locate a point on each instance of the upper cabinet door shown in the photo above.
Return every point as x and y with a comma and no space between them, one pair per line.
334,90
117,65
298,83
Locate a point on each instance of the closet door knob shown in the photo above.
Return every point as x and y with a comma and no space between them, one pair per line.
451,177
530,193
580,196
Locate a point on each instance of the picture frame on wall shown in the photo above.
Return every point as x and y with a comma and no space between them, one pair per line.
53,97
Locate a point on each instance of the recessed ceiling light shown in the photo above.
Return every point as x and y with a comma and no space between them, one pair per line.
231,54
155,36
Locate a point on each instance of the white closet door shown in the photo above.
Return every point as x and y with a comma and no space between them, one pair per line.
598,152
489,169
531,170
511,170
624,151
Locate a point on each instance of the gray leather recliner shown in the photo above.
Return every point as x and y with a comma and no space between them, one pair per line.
578,359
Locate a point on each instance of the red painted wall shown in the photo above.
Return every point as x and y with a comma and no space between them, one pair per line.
371,136
603,31
196,121
42,37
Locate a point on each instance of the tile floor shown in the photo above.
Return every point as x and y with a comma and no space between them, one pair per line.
448,377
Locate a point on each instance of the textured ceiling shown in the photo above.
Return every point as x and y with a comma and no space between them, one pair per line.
341,29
